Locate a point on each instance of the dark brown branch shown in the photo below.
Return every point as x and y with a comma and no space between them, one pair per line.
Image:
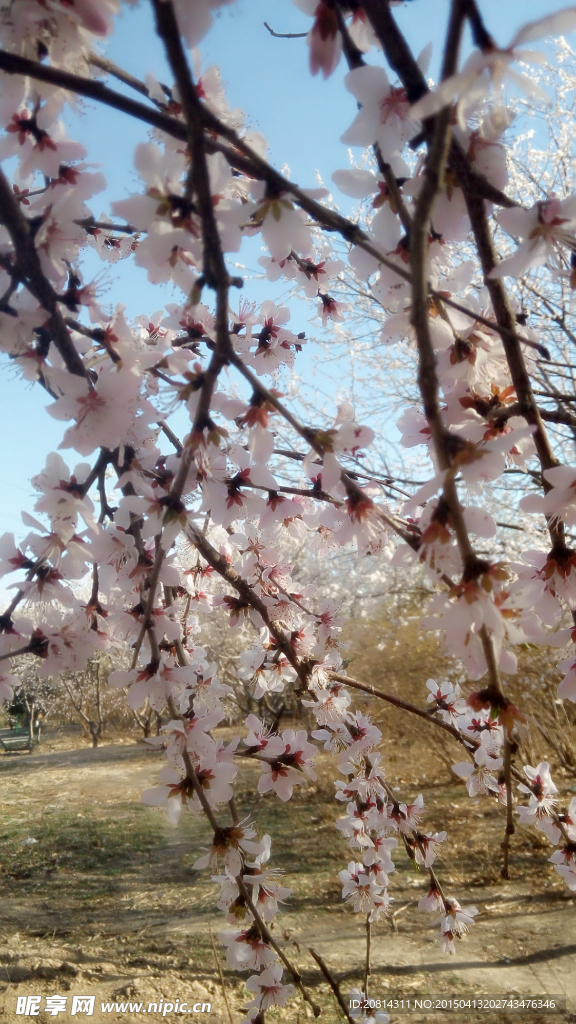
285,35
169,433
354,56
14,64
94,474
15,654
419,318
355,59
511,344
397,702
333,984
215,274
269,938
401,59
480,34
510,829
229,574
557,395
105,508
122,229
367,970
559,416
220,975
123,76
29,270
398,53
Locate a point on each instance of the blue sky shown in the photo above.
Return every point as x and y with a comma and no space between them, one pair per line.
302,118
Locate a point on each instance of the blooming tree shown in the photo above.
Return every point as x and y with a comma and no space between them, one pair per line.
211,526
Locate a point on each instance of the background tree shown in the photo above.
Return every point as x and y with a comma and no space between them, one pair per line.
87,696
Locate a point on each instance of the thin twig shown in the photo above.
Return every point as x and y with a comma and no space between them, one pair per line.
332,982
510,829
30,271
285,35
16,654
469,742
367,971
269,938
221,976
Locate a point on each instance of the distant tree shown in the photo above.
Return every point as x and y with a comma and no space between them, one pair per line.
34,699
88,697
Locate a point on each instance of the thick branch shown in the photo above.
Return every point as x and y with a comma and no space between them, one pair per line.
511,343
427,375
215,273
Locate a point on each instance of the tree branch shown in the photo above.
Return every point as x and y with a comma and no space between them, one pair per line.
333,984
469,743
29,270
285,35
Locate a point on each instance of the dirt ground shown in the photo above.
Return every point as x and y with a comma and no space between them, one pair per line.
105,902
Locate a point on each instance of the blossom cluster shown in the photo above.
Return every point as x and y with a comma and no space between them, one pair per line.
211,527
484,738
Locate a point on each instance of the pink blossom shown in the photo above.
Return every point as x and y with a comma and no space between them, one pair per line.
7,684
448,701
567,688
232,844
267,890
324,38
246,950
380,853
432,901
405,817
486,71
283,227
425,847
384,115
290,759
362,1012
540,779
361,891
455,923
564,863
330,309
103,414
479,777
548,227
269,988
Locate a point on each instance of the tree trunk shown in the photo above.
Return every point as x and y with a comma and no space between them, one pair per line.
144,721
30,704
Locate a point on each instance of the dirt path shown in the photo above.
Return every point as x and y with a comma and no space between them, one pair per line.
105,904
